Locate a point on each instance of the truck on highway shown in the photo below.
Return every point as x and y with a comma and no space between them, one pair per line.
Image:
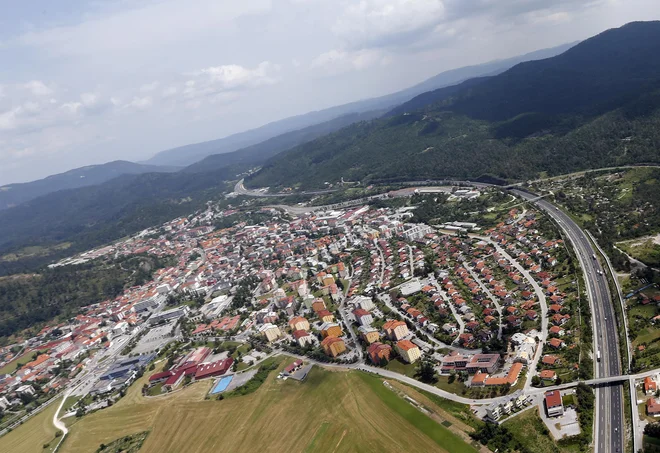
598,355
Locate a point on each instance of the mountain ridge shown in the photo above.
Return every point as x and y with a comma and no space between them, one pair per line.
537,116
189,154
17,193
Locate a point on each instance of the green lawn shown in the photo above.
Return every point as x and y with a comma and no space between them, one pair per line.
407,369
128,444
458,410
647,252
645,311
456,387
21,360
156,389
440,434
651,444
646,336
529,430
68,404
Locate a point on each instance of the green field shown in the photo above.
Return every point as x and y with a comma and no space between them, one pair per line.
21,360
33,435
529,430
36,250
330,411
647,251
128,444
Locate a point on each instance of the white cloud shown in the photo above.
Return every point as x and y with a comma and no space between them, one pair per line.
169,92
38,88
149,87
71,107
140,103
8,120
233,76
89,99
337,61
127,32
381,23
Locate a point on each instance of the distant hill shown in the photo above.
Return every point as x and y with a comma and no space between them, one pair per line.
595,76
189,154
15,194
260,152
597,104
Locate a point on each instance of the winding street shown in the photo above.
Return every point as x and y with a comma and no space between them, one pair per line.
487,292
531,367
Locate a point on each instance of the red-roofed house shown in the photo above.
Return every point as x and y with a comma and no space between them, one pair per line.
553,403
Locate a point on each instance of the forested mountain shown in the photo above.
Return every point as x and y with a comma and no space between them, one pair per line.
87,217
264,150
597,104
14,194
189,154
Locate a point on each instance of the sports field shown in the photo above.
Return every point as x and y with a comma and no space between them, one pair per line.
330,411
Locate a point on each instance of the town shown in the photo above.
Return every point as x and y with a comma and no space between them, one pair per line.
490,315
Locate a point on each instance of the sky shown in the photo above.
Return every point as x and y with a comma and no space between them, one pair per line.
88,82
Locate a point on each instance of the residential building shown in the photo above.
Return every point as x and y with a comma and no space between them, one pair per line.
364,303
299,323
270,331
494,411
653,407
325,316
363,317
369,334
378,352
553,404
331,329
548,375
333,346
408,351
395,330
303,338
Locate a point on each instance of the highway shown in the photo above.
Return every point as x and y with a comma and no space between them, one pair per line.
609,429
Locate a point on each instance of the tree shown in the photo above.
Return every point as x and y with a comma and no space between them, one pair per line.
426,372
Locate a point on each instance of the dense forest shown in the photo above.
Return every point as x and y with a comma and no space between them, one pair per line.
438,145
27,300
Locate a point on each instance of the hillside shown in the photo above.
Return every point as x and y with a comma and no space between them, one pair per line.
189,154
264,150
595,105
15,194
87,217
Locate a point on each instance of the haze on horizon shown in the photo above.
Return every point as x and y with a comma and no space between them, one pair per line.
85,82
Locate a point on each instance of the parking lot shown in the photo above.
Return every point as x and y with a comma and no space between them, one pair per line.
565,426
154,339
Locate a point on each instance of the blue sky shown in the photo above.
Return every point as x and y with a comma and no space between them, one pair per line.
85,82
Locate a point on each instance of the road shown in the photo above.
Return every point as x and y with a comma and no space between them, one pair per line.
609,419
347,320
542,302
240,189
